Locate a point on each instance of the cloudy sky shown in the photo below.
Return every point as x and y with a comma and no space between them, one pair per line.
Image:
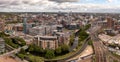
59,5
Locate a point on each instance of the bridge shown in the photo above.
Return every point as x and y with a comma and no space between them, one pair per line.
14,51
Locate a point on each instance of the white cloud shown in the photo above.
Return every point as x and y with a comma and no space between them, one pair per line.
64,0
109,0
46,5
112,1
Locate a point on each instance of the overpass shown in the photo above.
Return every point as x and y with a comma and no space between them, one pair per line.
14,51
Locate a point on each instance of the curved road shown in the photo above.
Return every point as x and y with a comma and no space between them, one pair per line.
82,49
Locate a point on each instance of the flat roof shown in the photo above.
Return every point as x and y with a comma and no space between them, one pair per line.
47,37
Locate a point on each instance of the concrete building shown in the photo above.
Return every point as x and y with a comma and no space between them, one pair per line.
63,36
29,26
46,42
41,30
38,30
2,45
73,26
59,28
102,23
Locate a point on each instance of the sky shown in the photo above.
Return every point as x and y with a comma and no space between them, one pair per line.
59,5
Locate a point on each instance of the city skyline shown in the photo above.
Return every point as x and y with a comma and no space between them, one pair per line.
59,5
59,36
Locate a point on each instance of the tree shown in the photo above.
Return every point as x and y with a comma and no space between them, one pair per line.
35,59
65,48
2,34
58,51
10,42
19,41
72,39
87,26
39,51
36,50
22,56
31,48
49,54
22,51
90,43
82,35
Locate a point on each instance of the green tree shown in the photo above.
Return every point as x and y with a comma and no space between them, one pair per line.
71,39
35,59
38,49
10,42
35,50
22,56
58,51
65,49
19,41
22,51
87,27
49,54
31,48
90,42
2,34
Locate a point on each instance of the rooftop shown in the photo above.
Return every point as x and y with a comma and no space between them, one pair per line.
109,39
47,37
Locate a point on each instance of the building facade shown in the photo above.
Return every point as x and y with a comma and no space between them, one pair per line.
46,42
110,23
41,30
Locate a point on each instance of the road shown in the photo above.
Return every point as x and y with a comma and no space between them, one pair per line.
91,30
75,44
13,51
82,47
80,50
101,54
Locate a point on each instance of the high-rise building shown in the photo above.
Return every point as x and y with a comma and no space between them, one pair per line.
25,25
110,23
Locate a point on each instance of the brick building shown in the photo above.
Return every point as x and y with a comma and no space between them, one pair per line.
110,23
46,42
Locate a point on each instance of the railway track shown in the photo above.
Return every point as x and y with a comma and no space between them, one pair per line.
100,51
